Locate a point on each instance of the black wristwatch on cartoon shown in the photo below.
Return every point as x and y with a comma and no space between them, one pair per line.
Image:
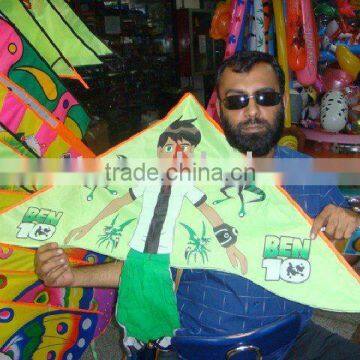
226,235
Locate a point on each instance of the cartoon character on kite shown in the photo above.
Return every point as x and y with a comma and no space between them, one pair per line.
145,278
240,188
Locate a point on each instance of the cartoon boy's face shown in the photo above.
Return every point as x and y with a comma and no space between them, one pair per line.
174,150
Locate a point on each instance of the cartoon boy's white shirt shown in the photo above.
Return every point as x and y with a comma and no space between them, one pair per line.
154,222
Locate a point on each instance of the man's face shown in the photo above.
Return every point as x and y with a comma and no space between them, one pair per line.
253,128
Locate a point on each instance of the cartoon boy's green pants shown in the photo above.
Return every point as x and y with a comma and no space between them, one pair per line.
146,304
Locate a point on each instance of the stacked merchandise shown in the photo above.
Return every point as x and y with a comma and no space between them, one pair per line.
318,47
42,41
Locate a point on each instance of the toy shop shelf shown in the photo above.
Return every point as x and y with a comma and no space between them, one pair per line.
319,144
323,136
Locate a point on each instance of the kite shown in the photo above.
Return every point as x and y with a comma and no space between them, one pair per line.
10,197
77,27
62,56
23,116
38,322
188,223
12,149
20,62
74,49
14,11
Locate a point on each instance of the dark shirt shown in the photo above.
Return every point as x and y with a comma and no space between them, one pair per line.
214,303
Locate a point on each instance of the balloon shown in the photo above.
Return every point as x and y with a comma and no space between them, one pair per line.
325,9
271,37
267,19
316,38
348,61
223,25
355,3
241,36
336,79
259,25
327,56
355,127
345,8
334,111
235,40
257,36
238,16
307,76
355,48
282,54
293,138
251,43
220,22
319,84
294,36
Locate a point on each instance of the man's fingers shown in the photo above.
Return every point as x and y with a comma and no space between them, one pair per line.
345,229
53,278
331,227
57,279
46,247
348,232
350,228
48,255
318,223
339,223
339,232
52,264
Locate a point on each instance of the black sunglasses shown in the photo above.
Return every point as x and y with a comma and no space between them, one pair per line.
262,98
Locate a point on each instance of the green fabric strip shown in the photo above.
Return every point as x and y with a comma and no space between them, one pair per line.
146,304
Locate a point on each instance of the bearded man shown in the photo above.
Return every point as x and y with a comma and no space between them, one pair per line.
251,101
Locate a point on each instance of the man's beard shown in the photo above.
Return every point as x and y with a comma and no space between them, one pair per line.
259,143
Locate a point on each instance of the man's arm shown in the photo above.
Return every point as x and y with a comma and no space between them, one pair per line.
52,266
102,275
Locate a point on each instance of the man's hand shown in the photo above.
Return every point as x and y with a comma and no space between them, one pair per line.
52,266
339,223
237,257
78,233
